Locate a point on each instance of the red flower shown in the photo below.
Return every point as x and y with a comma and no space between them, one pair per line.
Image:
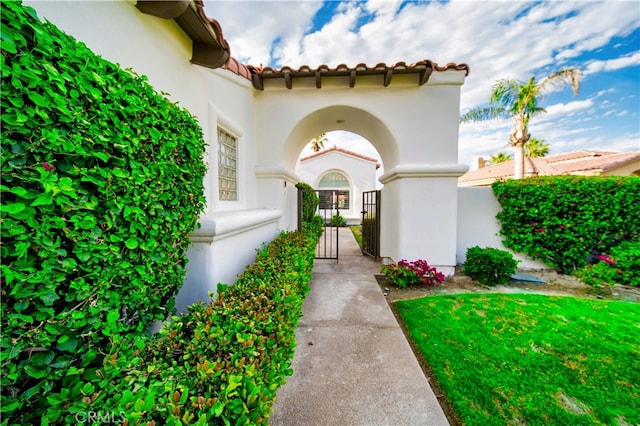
606,258
48,167
561,226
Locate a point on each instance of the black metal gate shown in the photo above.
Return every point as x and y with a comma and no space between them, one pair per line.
371,223
318,212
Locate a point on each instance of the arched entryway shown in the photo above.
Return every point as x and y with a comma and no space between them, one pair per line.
413,127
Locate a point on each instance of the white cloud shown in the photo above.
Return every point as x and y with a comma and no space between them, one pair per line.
496,39
252,27
630,60
563,110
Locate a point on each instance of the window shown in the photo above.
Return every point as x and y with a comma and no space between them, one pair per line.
333,199
227,166
334,191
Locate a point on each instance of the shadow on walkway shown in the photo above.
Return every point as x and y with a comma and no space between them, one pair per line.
353,364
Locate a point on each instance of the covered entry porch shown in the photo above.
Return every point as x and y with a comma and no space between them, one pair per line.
410,117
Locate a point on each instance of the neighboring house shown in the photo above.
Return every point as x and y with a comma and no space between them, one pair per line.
586,163
256,122
340,176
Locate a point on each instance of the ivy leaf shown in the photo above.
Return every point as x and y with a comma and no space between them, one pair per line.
7,43
14,208
67,343
43,199
131,243
155,134
49,297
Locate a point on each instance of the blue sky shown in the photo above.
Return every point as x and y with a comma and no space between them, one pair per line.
497,39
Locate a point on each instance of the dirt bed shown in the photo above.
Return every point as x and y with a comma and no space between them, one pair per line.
554,284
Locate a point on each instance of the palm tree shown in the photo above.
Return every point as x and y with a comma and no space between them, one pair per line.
318,142
500,157
519,100
536,148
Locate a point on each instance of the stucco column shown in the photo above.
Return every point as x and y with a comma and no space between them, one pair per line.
420,214
277,190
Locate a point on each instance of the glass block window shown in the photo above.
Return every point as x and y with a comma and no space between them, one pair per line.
227,166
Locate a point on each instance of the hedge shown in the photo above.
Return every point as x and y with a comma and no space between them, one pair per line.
102,180
220,363
565,220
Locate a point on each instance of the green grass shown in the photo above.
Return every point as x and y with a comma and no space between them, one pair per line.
531,359
357,233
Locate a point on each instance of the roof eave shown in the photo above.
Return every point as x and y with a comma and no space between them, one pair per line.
423,70
210,49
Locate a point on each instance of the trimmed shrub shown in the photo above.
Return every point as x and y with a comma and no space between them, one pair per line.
311,221
405,274
622,266
561,220
220,363
310,201
338,220
102,180
489,265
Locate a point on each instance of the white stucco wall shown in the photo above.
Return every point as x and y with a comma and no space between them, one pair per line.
415,130
478,226
160,50
361,174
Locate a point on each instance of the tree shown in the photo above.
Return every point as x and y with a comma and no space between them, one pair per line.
318,142
519,100
500,157
536,148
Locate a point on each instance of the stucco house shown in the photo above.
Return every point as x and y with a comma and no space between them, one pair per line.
340,176
584,162
256,122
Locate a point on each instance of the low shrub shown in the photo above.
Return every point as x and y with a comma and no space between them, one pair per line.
404,273
338,220
220,363
310,221
310,201
489,265
621,266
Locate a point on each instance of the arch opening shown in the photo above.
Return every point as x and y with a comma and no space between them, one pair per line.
340,118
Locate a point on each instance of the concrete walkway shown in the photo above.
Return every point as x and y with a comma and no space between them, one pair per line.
353,365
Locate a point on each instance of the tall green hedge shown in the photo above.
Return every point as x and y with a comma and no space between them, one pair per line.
102,180
219,364
562,220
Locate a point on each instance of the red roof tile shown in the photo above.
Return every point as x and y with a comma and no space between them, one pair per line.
561,164
237,68
423,69
342,150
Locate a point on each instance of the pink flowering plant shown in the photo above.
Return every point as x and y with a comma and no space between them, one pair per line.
620,266
405,273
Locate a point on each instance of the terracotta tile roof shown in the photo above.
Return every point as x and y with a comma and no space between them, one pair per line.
577,155
598,161
561,164
237,68
422,69
342,150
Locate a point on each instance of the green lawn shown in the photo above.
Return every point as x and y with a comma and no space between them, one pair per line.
531,359
357,233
